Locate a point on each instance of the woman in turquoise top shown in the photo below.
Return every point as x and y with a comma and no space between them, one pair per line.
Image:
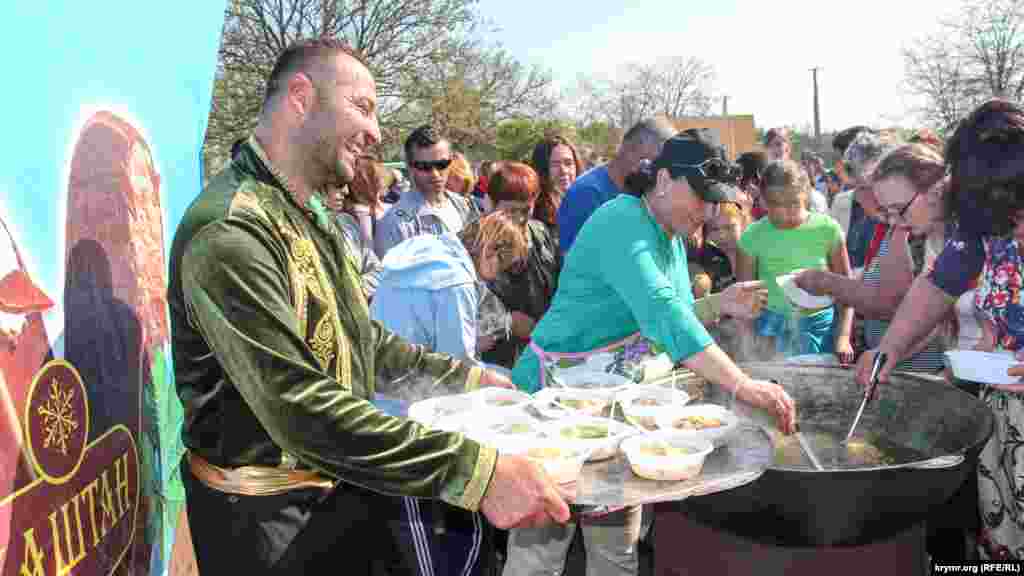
627,273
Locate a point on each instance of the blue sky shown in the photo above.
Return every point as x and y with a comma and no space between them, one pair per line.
762,51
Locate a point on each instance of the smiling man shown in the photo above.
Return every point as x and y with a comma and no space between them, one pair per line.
429,208
290,469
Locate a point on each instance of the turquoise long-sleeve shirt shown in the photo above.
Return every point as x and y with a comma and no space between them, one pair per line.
623,275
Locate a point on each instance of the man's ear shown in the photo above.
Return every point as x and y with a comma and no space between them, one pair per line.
301,93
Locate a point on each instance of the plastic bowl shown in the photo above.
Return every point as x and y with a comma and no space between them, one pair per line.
562,461
444,412
502,398
641,452
982,367
504,430
572,431
642,404
671,421
573,401
800,297
585,379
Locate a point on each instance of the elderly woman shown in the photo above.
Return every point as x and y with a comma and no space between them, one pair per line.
985,199
429,292
627,276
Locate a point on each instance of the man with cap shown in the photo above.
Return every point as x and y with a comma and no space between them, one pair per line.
626,277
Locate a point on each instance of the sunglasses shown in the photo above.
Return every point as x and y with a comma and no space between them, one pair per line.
428,165
712,169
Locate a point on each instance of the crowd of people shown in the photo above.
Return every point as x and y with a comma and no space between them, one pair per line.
309,282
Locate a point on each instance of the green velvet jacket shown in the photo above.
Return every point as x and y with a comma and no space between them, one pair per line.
276,357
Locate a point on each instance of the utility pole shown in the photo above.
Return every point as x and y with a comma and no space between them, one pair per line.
725,106
817,113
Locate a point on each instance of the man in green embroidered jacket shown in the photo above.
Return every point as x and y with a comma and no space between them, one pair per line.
290,467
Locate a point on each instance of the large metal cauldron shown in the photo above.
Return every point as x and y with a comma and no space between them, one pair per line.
800,506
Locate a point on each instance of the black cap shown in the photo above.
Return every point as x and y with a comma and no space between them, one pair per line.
692,148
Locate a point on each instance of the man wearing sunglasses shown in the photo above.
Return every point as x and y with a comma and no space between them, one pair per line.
429,207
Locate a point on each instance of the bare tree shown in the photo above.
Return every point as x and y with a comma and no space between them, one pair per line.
469,90
975,55
397,37
672,87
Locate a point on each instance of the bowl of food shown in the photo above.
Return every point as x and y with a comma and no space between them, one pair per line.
588,379
504,430
561,402
446,413
702,421
666,456
492,397
562,461
599,436
641,405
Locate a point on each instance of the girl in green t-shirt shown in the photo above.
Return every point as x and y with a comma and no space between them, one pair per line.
791,238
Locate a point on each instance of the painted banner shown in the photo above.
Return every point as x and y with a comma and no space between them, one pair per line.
105,109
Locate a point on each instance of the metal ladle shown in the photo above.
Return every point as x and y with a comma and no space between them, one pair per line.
804,445
876,368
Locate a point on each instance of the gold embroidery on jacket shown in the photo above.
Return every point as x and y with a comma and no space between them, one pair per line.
328,341
322,342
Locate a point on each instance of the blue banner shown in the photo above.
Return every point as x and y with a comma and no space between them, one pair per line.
105,109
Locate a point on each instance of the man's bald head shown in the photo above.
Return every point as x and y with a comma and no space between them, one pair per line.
643,142
307,57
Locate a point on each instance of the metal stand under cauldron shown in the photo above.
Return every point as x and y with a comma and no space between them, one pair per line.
684,547
796,520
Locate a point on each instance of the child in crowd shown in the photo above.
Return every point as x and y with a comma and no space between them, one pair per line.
791,238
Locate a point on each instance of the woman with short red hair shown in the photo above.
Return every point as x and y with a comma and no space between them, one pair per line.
527,290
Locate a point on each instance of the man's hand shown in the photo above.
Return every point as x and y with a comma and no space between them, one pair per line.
492,378
814,282
744,299
771,397
521,495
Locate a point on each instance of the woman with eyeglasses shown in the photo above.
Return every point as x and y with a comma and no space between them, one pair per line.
908,185
790,238
626,278
429,293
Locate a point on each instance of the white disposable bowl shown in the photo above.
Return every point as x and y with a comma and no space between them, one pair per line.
598,448
564,469
716,436
983,367
502,398
632,400
597,401
800,297
586,379
444,412
666,468
500,429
